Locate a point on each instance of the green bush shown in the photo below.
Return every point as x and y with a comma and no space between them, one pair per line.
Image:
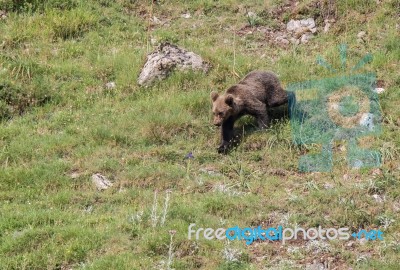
37,5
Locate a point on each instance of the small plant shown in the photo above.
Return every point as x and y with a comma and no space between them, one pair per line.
170,250
154,217
385,221
165,209
188,159
253,19
311,185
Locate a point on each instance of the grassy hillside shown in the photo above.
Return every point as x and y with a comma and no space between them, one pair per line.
60,125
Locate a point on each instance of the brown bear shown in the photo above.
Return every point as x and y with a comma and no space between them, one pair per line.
253,95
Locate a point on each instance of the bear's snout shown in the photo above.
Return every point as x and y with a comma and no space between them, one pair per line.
217,122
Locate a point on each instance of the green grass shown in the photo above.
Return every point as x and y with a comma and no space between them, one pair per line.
60,125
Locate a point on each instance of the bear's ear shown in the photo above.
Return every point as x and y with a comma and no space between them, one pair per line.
229,100
214,96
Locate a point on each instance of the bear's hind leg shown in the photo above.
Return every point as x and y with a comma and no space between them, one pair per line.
259,111
280,98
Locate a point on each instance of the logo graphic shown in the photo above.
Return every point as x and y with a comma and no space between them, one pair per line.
280,234
334,109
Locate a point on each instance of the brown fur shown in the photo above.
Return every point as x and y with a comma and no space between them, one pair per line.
253,95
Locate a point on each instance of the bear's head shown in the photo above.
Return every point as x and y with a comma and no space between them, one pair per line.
222,107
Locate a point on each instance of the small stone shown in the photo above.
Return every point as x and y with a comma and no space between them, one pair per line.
328,186
186,15
315,266
306,37
18,234
292,25
376,171
350,244
3,15
251,14
327,26
153,41
396,207
367,120
310,23
378,198
379,90
361,34
282,40
110,85
74,175
156,20
362,241
334,106
294,41
210,172
300,31
101,181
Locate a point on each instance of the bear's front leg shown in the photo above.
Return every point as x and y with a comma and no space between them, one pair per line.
226,135
263,120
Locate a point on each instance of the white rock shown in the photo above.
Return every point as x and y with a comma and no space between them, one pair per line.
101,181
306,37
251,14
378,198
328,186
361,34
367,120
310,23
302,30
74,175
396,206
3,15
110,85
362,241
294,41
315,266
156,20
292,25
186,15
153,41
166,58
282,40
334,106
379,90
350,243
327,26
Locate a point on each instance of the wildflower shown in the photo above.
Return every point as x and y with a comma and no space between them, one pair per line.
189,155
